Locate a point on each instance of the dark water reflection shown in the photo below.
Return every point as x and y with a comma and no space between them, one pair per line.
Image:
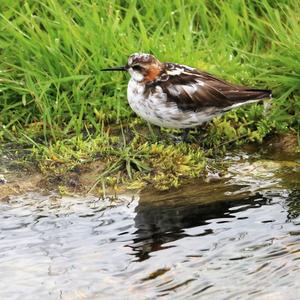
210,240
162,224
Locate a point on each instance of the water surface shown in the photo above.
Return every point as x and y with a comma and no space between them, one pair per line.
235,238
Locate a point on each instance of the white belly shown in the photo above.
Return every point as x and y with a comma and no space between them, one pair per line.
155,108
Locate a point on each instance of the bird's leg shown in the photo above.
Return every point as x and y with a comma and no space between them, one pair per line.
155,133
185,135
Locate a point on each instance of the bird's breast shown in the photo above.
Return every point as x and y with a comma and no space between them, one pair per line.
148,103
145,103
153,106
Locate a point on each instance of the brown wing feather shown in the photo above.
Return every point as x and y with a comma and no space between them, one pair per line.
195,90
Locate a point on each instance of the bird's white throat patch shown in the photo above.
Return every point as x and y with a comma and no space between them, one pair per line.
135,75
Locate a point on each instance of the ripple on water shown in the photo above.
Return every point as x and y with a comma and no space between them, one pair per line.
228,245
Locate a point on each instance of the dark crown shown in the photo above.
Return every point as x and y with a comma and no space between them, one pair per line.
141,58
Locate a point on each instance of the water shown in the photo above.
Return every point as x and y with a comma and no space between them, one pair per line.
236,238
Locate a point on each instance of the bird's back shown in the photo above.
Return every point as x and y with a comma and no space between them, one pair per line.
194,90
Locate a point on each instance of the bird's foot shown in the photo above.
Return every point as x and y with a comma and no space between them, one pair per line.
183,138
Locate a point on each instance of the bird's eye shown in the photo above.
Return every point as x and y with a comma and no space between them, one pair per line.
137,68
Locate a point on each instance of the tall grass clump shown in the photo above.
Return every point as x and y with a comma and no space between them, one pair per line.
51,52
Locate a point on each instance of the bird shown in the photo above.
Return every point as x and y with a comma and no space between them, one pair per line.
173,95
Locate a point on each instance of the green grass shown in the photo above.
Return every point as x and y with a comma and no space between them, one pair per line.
51,52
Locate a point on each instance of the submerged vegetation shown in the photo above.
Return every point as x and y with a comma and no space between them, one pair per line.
55,101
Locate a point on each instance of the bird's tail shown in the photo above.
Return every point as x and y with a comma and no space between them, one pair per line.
244,95
247,96
254,94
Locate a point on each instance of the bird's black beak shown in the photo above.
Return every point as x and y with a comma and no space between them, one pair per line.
123,68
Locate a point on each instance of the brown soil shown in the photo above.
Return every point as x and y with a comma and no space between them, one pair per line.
79,181
287,143
19,185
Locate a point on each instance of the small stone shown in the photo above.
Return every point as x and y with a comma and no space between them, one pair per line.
2,179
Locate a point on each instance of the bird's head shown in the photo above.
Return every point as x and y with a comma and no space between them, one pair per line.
142,67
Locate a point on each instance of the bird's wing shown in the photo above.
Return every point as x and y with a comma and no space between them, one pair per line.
194,90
